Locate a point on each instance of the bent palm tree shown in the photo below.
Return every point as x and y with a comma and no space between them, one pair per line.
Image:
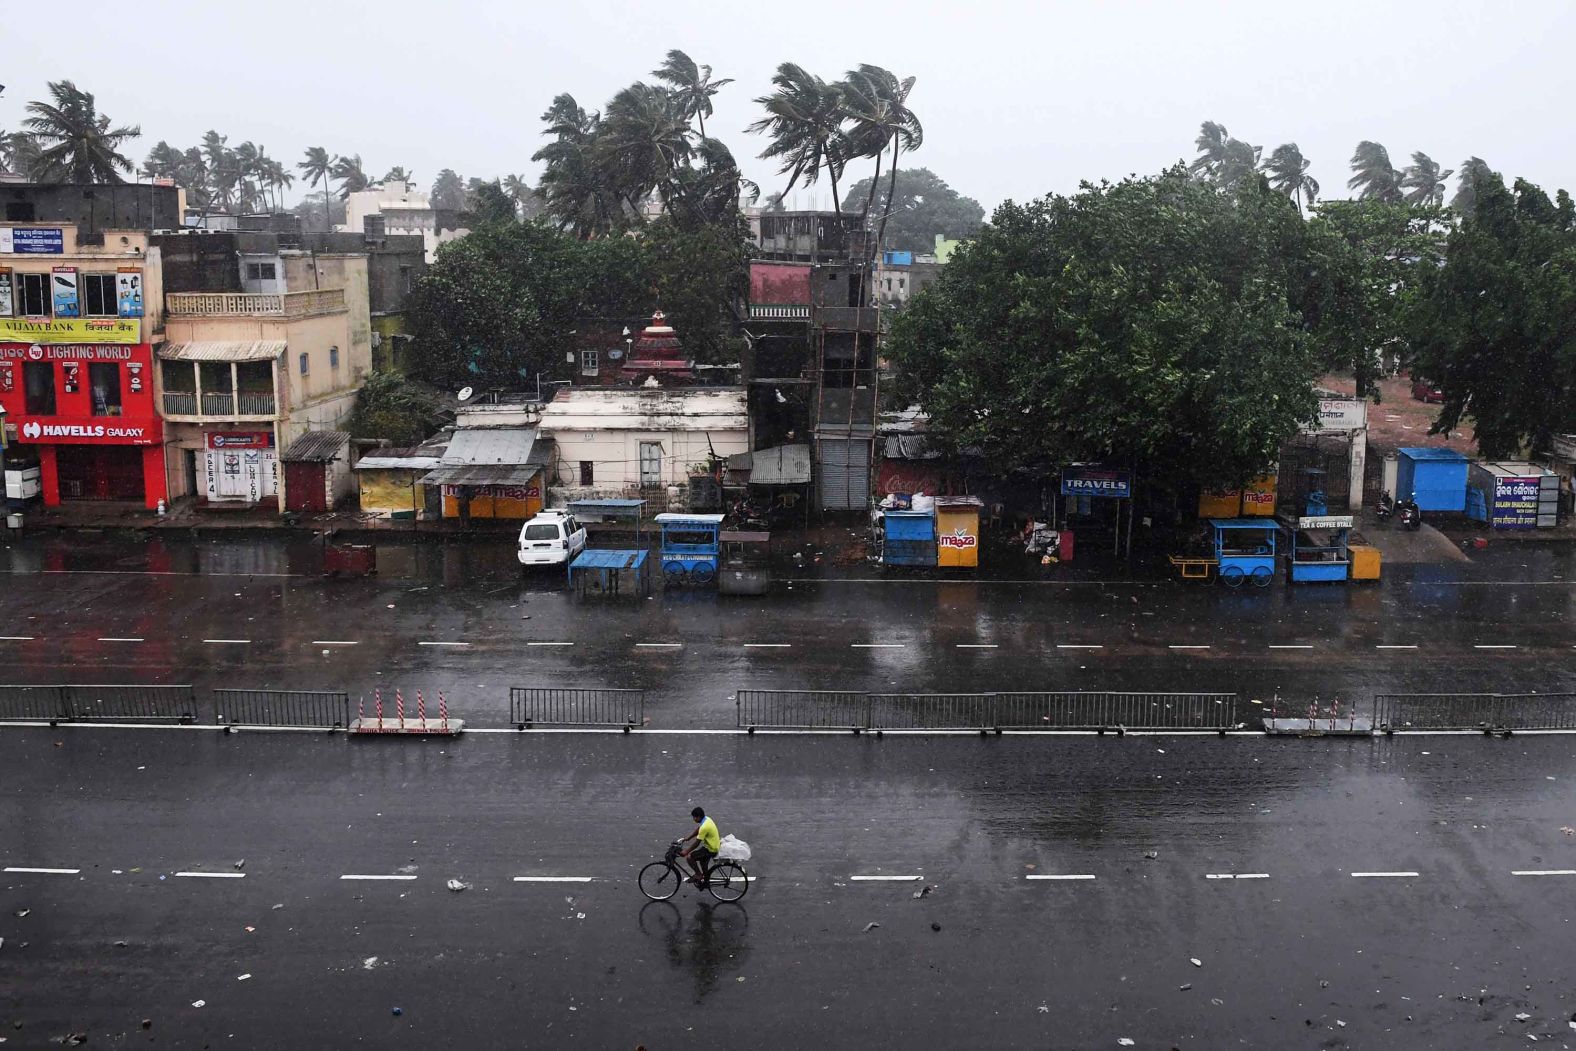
643,142
1474,173
877,105
75,141
316,167
1423,180
1373,175
1211,146
572,188
1288,173
398,174
804,118
691,86
350,175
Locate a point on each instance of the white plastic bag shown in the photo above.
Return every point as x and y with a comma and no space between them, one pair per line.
733,849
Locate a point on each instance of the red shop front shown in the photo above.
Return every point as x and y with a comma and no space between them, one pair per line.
87,412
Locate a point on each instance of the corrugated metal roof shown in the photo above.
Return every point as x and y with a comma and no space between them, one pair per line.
642,409
223,350
482,474
490,445
317,447
783,465
398,460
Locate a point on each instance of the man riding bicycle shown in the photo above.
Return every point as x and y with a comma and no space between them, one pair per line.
704,842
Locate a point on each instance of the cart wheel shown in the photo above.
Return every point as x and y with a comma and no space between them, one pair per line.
703,573
1232,576
674,571
1262,576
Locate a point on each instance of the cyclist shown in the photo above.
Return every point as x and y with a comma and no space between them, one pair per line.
704,842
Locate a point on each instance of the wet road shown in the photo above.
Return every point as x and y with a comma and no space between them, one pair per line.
255,614
1410,892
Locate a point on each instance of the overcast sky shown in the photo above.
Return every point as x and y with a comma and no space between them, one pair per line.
1016,99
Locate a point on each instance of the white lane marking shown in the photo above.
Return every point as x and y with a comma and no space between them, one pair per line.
1187,647
876,645
659,645
44,872
213,875
1275,646
377,877
16,638
1495,646
457,644
1047,875
767,645
1381,875
549,644
1391,646
553,879
977,645
1236,875
885,879
233,642
1543,872
1079,646
108,638
333,642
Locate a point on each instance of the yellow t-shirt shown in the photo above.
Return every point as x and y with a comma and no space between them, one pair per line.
708,835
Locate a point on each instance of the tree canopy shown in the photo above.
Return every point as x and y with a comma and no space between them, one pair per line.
925,206
1149,322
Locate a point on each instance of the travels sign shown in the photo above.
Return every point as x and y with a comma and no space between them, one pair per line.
1097,481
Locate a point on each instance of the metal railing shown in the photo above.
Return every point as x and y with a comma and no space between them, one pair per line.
281,304
33,703
932,711
802,710
129,703
218,403
1474,711
1102,709
180,403
530,705
327,709
255,404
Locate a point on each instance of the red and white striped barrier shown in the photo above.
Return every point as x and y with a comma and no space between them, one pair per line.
399,724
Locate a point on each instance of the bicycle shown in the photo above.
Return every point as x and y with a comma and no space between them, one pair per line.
726,879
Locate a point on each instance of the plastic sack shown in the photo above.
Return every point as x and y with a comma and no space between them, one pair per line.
733,849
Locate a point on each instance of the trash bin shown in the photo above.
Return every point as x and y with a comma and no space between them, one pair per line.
13,520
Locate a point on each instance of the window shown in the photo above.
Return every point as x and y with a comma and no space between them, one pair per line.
333,357
650,463
261,272
38,379
104,383
588,362
306,364
586,473
34,294
406,279
20,212
98,295
541,532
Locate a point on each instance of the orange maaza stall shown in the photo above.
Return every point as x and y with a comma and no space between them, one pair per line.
1254,500
958,531
492,472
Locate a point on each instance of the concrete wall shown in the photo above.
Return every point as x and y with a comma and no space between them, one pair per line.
94,207
308,272
389,492
615,455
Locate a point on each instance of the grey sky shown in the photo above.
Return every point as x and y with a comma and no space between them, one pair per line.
1017,99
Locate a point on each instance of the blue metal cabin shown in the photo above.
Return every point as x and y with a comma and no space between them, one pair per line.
691,550
1436,479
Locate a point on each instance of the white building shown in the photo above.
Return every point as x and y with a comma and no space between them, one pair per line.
398,210
629,442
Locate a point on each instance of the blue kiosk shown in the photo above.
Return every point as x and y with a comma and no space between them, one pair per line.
691,547
1245,550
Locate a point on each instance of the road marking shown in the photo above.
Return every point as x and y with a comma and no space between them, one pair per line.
1299,646
1543,872
1236,875
358,876
1496,646
1079,646
767,645
333,642
107,638
1047,875
1371,875
549,644
457,644
16,638
235,642
876,645
553,879
45,872
1187,647
975,646
885,879
213,875
1390,646
658,645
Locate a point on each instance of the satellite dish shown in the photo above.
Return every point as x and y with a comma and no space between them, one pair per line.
465,393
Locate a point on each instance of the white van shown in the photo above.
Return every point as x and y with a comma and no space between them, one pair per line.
551,538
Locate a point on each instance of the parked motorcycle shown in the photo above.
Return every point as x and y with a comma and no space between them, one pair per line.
1386,507
1409,515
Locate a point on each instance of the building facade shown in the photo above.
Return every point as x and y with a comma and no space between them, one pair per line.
387,211
79,314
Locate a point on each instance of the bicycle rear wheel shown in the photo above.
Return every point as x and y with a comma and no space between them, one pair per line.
659,881
728,881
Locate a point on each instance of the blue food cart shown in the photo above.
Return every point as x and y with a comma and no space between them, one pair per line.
1319,548
691,548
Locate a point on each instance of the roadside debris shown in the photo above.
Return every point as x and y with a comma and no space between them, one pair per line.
1195,961
870,927
1125,1041
239,865
242,977
1184,987
1150,855
199,1003
935,926
22,912
457,885
923,892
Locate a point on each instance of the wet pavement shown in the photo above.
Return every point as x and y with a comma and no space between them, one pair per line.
1405,892
125,608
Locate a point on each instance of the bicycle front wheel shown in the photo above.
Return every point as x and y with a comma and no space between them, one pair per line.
728,881
659,881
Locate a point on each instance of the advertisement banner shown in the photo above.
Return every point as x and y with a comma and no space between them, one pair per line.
64,289
128,292
240,439
1516,503
87,430
72,352
40,240
7,301
240,473
1258,497
1096,481
70,330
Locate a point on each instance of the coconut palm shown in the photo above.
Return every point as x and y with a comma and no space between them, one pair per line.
1222,160
398,174
1288,173
279,180
644,141
876,104
224,171
76,142
1374,177
804,118
527,202
1474,172
18,153
350,175
690,85
1423,180
572,188
317,166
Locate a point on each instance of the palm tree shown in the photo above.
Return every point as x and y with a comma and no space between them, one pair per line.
316,167
1474,172
1288,173
1373,176
164,162
246,157
876,103
400,175
804,118
1223,161
520,193
1424,182
280,180
691,86
349,174
572,188
644,140
223,169
76,142
18,153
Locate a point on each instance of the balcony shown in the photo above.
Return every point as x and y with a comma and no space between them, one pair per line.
220,404
254,304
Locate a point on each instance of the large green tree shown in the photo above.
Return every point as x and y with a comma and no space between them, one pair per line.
392,408
1496,324
925,207
75,141
1150,322
701,274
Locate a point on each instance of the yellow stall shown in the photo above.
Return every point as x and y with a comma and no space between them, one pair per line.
958,531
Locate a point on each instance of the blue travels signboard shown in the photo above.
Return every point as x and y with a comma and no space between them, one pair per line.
1097,481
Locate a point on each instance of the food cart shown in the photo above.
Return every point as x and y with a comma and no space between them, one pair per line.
343,559
1319,548
746,563
690,547
1241,549
958,530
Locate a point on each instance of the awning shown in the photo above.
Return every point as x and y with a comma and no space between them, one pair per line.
317,447
482,474
223,350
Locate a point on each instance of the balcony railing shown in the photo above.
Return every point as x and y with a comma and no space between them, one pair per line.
775,312
260,404
180,403
222,403
251,304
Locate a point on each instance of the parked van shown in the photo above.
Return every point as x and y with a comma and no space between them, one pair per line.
551,538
